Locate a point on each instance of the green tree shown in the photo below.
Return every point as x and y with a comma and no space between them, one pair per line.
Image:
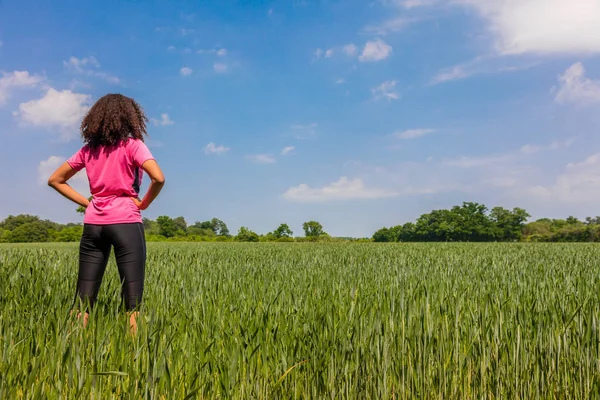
509,224
406,232
592,221
219,227
246,235
313,229
4,233
166,225
195,230
30,232
14,221
283,231
150,227
69,234
384,235
180,226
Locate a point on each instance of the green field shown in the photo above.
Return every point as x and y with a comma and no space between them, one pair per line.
265,321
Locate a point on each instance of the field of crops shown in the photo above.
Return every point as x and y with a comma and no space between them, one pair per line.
265,321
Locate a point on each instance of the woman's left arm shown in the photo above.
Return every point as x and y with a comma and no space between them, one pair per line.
58,181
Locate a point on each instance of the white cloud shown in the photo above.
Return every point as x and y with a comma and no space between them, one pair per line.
481,65
63,110
164,120
478,162
555,145
287,150
575,87
14,80
451,74
375,50
579,183
211,148
261,158
185,71
220,68
386,90
79,65
318,53
329,53
47,167
413,133
88,66
343,189
300,131
350,50
389,26
541,26
531,149
222,52
416,3
186,32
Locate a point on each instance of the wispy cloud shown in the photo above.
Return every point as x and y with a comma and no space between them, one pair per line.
186,32
375,50
575,87
350,50
413,133
212,148
343,189
16,80
300,131
555,145
477,162
185,71
220,68
390,26
261,158
163,121
287,150
386,90
221,52
89,66
481,65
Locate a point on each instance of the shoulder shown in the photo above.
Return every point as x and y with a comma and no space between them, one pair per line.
134,144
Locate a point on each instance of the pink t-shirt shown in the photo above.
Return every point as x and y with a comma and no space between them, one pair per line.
115,175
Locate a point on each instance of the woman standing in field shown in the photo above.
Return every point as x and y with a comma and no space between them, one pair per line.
114,156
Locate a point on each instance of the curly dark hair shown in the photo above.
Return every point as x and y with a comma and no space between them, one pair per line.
113,118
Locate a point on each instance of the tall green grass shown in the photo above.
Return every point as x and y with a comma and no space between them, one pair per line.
343,321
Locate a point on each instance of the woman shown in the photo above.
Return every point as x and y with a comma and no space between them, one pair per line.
114,156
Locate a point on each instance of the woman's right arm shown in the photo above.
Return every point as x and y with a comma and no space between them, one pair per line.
156,184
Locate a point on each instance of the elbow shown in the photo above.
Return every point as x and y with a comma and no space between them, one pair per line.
52,182
159,180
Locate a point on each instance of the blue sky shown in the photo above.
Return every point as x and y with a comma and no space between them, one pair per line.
359,114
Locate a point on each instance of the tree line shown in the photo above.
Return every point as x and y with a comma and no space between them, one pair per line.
469,222
474,222
25,228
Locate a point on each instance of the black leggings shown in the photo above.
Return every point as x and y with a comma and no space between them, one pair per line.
129,243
